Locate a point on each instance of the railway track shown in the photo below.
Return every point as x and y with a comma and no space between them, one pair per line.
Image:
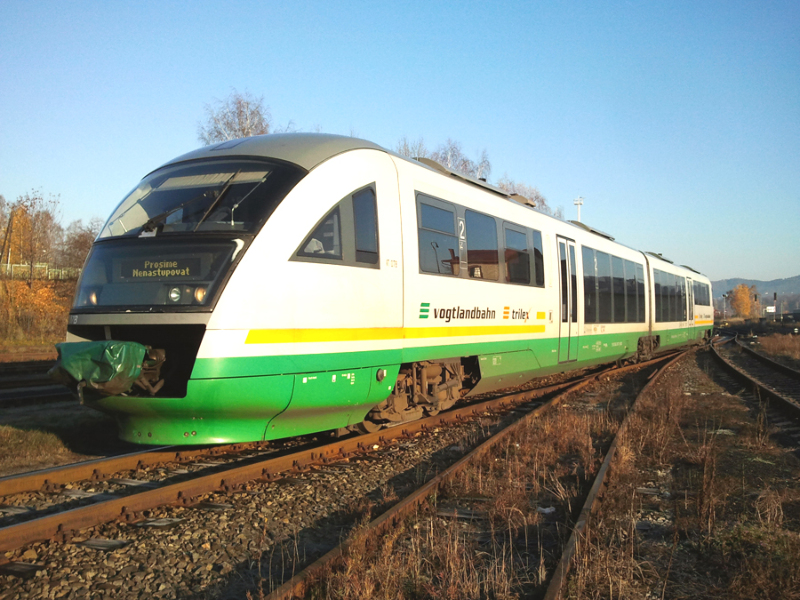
24,373
26,382
770,379
276,465
300,583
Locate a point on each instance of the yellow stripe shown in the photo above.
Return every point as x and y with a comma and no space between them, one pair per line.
304,336
704,322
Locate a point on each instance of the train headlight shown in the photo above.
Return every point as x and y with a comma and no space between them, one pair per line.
93,298
200,294
175,294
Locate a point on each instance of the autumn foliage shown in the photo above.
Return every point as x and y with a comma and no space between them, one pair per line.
39,265
744,301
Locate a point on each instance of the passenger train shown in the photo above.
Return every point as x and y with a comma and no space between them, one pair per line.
297,283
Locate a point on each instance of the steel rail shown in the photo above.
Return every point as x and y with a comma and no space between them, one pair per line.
297,585
785,403
559,578
793,373
61,525
50,480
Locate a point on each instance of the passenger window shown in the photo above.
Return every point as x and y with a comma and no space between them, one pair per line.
538,259
365,217
347,235
589,286
518,260
619,289
604,288
482,255
631,295
640,293
438,245
326,240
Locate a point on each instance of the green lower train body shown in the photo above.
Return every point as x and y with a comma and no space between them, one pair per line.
231,400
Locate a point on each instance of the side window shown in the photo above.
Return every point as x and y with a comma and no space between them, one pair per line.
640,292
517,257
482,255
604,288
365,218
438,245
326,239
347,235
619,289
538,259
630,292
589,286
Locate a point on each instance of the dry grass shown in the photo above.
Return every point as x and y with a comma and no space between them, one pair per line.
49,435
37,314
728,533
781,345
509,553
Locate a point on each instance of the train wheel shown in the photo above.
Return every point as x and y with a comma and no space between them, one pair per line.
367,427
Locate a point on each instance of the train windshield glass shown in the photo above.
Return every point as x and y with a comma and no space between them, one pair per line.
234,196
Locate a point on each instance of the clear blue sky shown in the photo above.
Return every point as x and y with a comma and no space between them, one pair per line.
678,122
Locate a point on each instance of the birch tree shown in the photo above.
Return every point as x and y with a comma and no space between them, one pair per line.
239,115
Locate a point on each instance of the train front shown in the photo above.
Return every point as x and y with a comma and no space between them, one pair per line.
149,288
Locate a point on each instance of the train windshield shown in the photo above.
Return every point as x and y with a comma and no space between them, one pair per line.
234,196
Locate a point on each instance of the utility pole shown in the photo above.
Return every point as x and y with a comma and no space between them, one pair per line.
578,202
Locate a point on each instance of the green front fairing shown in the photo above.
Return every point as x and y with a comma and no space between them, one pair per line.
274,397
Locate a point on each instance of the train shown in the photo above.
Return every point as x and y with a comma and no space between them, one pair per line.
289,284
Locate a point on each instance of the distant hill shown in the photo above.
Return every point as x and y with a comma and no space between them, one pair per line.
790,285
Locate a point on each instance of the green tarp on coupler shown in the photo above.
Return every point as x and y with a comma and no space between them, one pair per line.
110,367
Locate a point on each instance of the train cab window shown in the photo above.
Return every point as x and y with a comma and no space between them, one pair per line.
538,259
365,218
438,244
326,239
482,256
347,235
517,257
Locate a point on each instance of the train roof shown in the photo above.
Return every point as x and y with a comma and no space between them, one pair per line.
309,150
304,149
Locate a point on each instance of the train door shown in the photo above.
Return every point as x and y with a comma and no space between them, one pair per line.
690,302
568,279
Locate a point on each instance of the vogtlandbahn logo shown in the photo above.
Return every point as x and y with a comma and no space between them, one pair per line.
455,312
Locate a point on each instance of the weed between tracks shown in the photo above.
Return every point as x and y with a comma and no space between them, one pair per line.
513,511
781,345
703,504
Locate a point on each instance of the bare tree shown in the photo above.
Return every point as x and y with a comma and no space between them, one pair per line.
411,149
239,115
451,156
530,192
34,229
78,240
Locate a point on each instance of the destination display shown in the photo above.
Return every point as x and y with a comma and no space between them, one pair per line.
150,269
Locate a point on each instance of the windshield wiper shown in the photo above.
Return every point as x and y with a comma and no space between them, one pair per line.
151,223
217,200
